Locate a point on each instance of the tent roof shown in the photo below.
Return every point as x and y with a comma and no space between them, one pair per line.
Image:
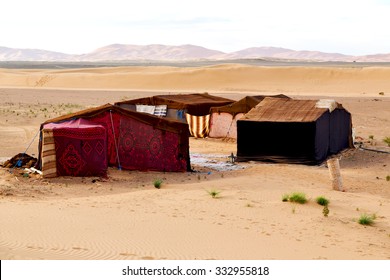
286,110
195,104
73,123
243,105
157,122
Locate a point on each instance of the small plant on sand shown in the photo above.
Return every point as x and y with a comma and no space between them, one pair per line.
388,178
381,93
298,197
387,141
366,219
293,210
371,137
214,193
322,201
157,183
285,197
325,211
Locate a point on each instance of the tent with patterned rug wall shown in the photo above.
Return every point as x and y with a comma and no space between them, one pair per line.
86,143
193,109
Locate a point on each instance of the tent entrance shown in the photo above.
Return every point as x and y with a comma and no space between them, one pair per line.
74,148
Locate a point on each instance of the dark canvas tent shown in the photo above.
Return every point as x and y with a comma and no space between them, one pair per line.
293,131
223,119
189,108
87,142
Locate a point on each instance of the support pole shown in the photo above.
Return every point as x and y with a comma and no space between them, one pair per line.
334,170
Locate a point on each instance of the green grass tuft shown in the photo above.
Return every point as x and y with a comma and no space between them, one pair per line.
298,197
214,193
322,201
366,219
157,183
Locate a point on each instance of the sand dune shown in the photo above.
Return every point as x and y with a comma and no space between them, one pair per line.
226,78
125,217
181,221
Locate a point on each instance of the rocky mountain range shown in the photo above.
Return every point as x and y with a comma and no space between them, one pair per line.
156,52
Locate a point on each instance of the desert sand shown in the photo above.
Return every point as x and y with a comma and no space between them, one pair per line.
349,81
125,217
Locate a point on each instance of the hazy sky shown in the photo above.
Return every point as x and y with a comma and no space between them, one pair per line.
354,27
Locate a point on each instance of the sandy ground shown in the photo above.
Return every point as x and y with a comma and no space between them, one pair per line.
125,217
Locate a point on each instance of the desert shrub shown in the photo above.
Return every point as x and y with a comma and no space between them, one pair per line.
325,211
387,141
157,183
366,219
388,178
298,197
322,201
214,193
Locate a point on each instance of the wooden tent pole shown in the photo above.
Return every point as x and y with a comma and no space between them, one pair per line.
334,170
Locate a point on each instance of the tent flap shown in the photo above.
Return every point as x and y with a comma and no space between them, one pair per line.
199,126
76,147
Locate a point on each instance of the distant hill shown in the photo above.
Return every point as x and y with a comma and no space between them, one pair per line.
281,53
149,52
11,54
156,52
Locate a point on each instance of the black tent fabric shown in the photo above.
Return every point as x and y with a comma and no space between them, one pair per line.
340,137
293,131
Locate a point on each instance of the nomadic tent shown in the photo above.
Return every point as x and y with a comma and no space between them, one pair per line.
223,119
293,131
87,142
188,108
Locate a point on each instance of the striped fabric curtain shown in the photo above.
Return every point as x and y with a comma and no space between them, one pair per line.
49,160
199,125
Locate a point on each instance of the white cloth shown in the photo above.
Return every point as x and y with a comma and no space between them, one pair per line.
145,109
160,110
